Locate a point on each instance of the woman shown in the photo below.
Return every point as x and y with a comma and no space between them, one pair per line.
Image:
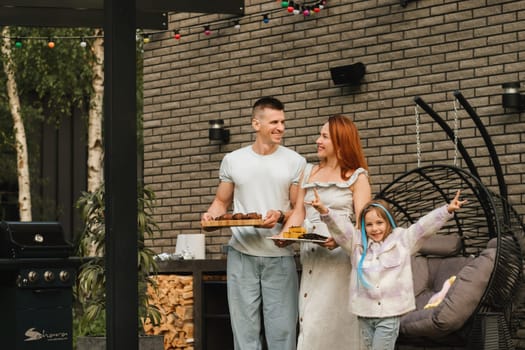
341,181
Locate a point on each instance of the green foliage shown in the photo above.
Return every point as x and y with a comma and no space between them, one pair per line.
52,82
90,289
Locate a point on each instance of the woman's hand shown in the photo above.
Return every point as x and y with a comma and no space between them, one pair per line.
317,204
329,243
281,243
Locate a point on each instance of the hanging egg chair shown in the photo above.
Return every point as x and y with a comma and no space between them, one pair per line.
481,248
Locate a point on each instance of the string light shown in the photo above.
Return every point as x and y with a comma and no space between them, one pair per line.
307,8
50,41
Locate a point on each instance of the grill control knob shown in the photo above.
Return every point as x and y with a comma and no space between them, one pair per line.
32,276
64,276
49,276
20,281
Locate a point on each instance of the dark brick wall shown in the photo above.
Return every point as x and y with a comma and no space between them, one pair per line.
430,48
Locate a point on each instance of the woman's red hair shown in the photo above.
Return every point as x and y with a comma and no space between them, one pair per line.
347,144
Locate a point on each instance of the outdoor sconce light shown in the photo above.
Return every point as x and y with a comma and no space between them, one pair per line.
217,131
511,97
350,74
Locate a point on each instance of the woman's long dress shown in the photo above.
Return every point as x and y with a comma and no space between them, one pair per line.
325,321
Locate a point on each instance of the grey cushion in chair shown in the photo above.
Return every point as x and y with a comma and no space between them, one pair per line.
460,302
442,246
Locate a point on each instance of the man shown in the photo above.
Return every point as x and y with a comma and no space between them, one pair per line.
262,278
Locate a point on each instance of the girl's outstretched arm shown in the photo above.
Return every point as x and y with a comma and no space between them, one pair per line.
455,203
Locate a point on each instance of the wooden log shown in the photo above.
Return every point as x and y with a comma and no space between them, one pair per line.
174,298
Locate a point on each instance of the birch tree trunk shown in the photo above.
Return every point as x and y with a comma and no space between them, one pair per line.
95,156
24,184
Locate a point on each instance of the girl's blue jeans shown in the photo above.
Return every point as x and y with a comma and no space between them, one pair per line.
379,333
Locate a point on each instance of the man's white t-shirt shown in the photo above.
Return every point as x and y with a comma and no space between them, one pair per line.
262,182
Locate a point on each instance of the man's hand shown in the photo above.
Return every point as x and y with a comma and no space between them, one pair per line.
271,218
207,217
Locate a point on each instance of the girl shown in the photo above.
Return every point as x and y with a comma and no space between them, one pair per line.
381,288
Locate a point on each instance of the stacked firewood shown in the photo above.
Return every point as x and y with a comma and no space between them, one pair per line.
174,298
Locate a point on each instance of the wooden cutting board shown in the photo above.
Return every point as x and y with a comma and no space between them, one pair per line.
228,223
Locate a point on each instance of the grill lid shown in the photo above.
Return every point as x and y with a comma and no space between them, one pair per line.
33,240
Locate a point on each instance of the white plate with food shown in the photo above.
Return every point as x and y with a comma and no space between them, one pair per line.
305,237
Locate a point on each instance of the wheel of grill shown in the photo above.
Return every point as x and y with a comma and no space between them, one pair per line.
485,216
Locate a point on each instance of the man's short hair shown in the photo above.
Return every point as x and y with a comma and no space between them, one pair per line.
268,102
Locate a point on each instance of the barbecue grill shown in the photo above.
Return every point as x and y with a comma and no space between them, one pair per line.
37,274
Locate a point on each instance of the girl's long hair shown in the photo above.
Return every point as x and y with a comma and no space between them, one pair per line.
347,144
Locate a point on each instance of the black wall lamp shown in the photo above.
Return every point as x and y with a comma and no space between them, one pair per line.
350,74
511,97
217,131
